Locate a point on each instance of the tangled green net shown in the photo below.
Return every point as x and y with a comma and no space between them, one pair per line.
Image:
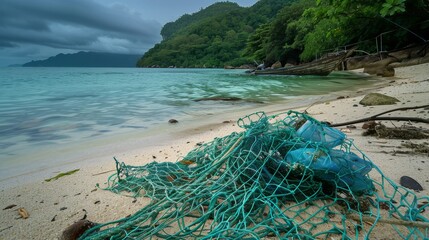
287,176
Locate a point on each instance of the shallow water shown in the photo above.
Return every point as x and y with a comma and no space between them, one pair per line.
48,108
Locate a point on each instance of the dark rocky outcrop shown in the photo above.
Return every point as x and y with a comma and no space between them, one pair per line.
381,68
384,64
276,65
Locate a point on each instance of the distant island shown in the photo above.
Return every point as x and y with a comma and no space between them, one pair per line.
87,59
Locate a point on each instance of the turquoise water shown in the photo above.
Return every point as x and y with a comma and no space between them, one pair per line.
42,108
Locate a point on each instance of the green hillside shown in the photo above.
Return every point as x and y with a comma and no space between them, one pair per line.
171,28
211,38
289,31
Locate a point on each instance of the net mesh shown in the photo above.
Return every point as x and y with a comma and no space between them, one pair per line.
285,176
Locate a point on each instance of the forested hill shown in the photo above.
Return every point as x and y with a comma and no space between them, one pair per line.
288,31
87,59
213,37
216,9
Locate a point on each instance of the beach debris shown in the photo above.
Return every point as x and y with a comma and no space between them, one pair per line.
104,172
418,148
23,213
345,130
97,202
60,175
85,215
379,117
410,183
173,121
76,230
9,207
369,125
6,228
286,172
404,132
54,218
378,99
63,208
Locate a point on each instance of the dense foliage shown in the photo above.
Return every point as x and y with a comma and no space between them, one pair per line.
288,31
171,28
211,38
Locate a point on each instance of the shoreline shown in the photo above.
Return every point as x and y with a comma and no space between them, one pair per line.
44,200
35,163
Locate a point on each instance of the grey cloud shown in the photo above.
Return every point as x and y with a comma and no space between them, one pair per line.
75,24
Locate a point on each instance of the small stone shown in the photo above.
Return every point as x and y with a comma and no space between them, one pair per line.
410,183
154,157
355,105
63,208
340,97
76,230
173,121
351,127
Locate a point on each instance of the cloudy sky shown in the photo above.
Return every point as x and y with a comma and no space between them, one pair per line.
37,29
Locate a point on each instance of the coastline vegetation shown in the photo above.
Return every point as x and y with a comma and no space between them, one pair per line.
289,31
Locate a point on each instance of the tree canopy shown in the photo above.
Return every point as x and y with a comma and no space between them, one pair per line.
287,31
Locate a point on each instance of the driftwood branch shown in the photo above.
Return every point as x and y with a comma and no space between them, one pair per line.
377,117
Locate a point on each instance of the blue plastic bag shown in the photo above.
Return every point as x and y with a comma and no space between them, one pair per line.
326,136
346,170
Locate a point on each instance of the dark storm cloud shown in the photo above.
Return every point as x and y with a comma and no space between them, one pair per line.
75,24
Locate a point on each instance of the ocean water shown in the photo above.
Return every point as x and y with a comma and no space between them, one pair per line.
47,108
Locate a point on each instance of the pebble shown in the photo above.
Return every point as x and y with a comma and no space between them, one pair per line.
173,121
410,183
76,230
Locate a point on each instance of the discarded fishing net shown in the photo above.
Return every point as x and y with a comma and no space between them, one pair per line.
286,176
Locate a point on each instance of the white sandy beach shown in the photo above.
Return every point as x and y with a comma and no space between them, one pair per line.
54,205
